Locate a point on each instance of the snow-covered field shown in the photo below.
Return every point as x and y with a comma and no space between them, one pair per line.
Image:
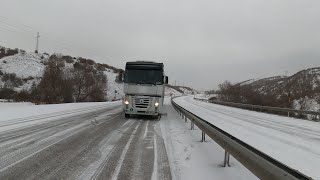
293,142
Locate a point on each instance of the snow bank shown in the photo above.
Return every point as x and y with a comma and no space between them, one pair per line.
9,105
10,111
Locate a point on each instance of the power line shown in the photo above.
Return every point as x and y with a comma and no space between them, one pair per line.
16,22
4,28
63,44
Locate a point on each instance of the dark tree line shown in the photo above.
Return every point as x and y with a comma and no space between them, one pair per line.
78,84
246,94
8,52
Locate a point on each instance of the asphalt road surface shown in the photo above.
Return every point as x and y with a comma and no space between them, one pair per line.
99,144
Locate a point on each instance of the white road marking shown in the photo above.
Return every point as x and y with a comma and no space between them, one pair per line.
146,131
117,170
155,174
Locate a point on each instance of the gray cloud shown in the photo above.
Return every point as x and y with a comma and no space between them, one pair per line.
202,43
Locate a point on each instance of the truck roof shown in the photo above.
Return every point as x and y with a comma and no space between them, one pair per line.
144,65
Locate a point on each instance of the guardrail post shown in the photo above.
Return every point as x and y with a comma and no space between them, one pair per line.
185,119
226,159
192,125
288,114
203,139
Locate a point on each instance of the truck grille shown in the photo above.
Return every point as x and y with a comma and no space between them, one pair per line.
141,102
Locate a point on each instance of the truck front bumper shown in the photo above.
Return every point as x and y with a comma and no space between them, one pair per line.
140,111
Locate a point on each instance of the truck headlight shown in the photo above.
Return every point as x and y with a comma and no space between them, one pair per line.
156,104
126,102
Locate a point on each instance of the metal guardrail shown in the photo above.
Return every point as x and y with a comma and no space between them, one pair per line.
258,107
260,164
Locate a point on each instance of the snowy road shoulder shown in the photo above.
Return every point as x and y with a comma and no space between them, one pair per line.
191,159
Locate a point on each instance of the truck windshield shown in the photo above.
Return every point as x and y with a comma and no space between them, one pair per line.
144,76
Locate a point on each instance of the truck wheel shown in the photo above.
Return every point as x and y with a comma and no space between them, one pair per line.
126,115
157,117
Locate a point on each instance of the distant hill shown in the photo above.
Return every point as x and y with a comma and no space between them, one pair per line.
303,83
182,89
299,91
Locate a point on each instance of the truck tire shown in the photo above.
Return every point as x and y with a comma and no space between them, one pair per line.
126,115
157,117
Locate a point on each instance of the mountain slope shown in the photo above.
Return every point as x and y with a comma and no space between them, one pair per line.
303,83
29,67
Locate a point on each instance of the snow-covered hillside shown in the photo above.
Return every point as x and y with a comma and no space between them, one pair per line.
114,89
30,66
27,66
203,96
24,64
300,91
308,79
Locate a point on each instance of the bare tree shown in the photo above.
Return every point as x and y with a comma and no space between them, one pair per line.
89,83
52,81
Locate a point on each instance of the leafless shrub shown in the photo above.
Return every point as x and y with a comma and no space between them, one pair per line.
7,93
11,80
82,60
90,62
51,84
100,67
28,78
89,84
68,59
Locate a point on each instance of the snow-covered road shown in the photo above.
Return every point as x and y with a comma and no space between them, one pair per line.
79,141
293,142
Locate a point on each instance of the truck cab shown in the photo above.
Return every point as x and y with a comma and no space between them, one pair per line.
144,86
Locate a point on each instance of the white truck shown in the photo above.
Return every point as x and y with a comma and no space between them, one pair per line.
144,86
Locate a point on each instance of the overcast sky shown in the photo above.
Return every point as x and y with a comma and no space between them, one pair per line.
202,43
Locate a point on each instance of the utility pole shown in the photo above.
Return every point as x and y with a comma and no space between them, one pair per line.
37,46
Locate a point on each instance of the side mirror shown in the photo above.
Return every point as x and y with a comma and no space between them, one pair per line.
166,80
122,76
